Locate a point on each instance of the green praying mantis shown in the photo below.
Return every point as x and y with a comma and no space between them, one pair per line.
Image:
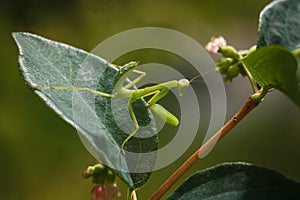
124,91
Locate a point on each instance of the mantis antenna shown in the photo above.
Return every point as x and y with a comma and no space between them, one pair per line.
200,75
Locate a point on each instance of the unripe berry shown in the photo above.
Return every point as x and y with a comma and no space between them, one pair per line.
233,71
229,52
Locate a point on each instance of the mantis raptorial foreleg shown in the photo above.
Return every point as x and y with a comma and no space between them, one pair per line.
160,111
156,97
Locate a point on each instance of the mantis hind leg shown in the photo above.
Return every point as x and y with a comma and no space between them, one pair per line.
135,81
135,123
120,77
73,89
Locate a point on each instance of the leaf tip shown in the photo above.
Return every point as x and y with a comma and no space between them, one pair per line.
16,35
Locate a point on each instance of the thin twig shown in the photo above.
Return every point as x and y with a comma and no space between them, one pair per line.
203,150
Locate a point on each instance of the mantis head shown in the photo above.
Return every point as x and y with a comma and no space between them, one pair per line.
182,85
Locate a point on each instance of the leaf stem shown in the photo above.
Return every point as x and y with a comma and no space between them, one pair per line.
251,79
131,195
247,107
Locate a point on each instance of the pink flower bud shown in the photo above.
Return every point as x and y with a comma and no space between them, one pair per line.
112,191
215,43
98,193
104,192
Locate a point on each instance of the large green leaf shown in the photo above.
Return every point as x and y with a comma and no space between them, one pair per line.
101,122
236,181
279,24
275,67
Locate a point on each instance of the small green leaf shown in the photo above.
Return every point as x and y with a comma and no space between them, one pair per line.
279,24
237,181
274,67
101,122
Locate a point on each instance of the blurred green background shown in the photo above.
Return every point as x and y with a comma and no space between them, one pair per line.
42,157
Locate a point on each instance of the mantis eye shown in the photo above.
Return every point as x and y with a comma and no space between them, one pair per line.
182,85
